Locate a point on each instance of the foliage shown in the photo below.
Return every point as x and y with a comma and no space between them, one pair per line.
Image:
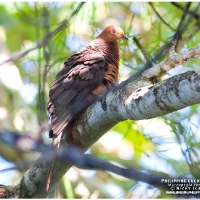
24,86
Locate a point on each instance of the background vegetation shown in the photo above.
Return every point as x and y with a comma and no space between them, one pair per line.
165,144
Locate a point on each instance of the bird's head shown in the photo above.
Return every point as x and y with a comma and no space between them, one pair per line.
112,33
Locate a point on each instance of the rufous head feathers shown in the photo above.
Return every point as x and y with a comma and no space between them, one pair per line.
111,33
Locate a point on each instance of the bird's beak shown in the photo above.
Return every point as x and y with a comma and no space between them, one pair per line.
123,36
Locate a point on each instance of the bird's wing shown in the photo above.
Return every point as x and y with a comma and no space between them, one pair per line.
71,92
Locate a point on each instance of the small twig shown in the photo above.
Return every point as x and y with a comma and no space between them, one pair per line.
193,30
149,63
179,30
194,14
161,68
151,4
190,33
44,41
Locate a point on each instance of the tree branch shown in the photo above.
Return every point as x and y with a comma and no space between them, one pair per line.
73,155
179,30
192,31
171,62
172,94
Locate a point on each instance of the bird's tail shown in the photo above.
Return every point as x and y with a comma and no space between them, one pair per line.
56,144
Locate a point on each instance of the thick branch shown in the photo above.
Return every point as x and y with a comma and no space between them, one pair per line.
173,94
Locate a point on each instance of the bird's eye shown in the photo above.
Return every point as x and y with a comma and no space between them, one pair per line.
113,31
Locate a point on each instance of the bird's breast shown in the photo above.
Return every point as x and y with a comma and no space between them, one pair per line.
111,74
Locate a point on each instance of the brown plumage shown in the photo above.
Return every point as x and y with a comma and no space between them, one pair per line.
85,75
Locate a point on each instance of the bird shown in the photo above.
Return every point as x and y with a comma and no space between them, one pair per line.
85,76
